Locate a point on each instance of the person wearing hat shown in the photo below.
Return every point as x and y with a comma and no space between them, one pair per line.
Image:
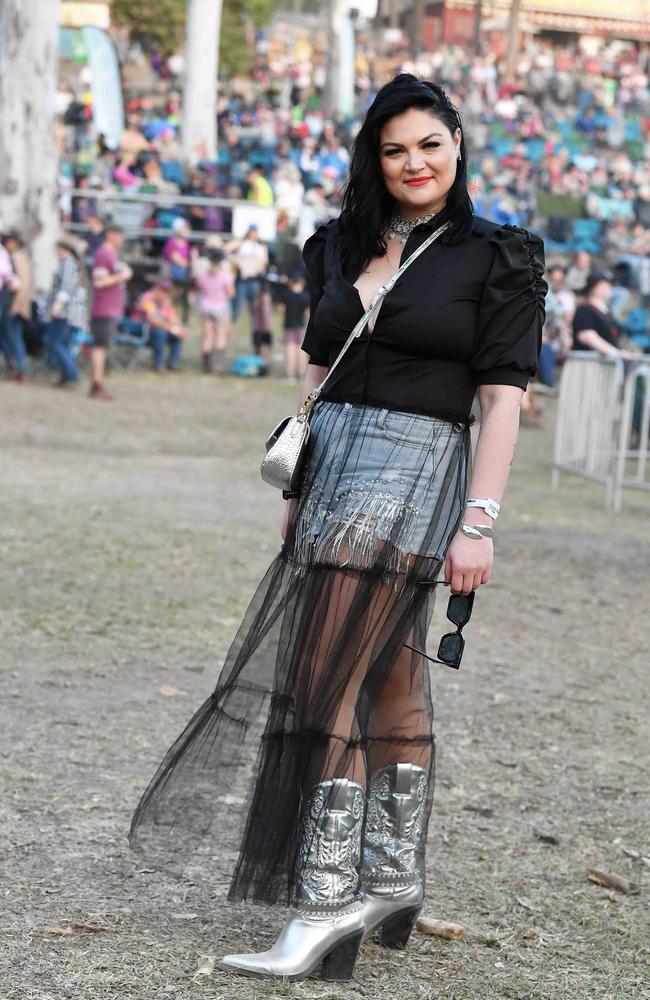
156,307
593,329
110,277
67,308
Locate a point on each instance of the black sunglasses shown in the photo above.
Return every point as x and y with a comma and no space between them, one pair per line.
452,644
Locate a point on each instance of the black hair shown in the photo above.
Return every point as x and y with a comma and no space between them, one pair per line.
367,205
11,235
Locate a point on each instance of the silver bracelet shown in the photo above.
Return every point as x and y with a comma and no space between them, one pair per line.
477,531
491,507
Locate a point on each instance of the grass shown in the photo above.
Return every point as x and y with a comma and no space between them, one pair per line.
133,537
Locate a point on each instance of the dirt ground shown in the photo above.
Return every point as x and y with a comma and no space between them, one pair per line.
133,535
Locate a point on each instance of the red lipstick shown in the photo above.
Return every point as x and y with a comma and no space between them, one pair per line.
418,181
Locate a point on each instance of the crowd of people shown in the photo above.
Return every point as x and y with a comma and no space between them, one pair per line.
563,150
574,128
87,308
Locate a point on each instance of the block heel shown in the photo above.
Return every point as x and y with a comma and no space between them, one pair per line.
396,931
338,966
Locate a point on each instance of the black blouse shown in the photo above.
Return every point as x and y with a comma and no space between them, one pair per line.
587,317
460,316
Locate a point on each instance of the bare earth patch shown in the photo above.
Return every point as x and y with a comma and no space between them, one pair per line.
133,535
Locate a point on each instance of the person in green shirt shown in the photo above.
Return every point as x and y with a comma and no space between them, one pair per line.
259,189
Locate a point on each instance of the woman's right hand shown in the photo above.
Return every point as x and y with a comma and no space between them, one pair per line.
291,507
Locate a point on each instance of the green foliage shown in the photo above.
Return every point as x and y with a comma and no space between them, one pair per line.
234,49
239,18
154,24
160,24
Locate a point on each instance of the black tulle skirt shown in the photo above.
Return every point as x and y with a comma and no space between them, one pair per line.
319,681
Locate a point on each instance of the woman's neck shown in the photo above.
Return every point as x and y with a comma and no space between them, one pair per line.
411,212
599,304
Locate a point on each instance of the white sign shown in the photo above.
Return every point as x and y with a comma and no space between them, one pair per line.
366,8
262,216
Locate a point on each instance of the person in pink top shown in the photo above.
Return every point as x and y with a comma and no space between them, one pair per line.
177,252
122,173
216,288
110,277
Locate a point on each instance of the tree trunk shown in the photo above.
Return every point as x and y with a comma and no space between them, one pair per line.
415,27
28,153
512,54
478,17
333,65
200,90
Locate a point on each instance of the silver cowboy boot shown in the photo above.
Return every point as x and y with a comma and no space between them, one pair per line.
392,887
326,929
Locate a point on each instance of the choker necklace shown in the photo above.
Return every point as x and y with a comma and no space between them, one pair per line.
402,228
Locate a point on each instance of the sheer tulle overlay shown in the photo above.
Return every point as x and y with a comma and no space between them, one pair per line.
318,681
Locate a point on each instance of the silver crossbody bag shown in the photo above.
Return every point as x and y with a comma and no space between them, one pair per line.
286,448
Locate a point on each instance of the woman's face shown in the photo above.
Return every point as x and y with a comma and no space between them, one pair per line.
418,157
602,291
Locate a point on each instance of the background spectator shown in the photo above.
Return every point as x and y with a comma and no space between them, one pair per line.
593,329
19,307
251,259
216,289
177,253
294,302
261,314
67,309
166,333
110,276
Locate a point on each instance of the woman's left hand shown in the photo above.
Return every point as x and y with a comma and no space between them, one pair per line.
468,563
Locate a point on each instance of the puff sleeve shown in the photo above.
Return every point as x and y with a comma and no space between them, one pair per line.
313,255
511,313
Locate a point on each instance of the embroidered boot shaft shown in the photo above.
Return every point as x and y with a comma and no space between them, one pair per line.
330,848
326,929
393,850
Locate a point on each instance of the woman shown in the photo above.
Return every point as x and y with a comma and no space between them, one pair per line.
177,252
67,309
593,329
251,258
216,288
332,643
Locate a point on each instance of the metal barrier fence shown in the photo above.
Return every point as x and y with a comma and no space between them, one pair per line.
132,210
603,422
633,440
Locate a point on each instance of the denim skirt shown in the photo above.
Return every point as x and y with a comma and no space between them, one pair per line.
383,489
